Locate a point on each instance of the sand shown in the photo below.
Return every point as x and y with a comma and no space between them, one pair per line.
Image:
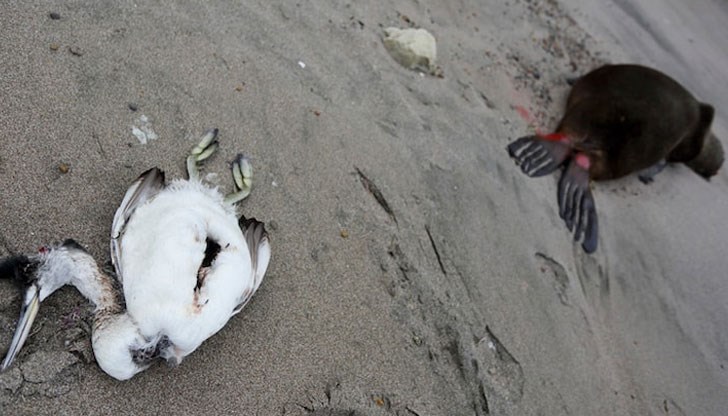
416,271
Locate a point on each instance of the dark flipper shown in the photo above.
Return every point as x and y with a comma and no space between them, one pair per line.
710,159
648,175
537,156
576,206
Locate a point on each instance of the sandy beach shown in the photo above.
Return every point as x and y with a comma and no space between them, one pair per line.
416,271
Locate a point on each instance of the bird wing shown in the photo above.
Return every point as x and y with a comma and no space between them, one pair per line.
142,190
185,264
256,239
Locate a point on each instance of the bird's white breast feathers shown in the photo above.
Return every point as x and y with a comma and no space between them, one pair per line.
162,249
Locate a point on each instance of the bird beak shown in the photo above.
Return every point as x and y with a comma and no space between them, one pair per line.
27,315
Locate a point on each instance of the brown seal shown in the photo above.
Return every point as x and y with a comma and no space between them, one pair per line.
619,119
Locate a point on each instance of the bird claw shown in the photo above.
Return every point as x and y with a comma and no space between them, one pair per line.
209,138
204,149
242,171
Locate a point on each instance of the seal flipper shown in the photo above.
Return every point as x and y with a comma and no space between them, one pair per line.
646,176
538,156
577,207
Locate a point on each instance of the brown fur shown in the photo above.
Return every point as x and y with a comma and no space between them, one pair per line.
628,117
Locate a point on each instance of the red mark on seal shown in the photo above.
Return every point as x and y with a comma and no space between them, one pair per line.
554,137
582,160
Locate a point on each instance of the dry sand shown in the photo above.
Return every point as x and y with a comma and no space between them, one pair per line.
469,298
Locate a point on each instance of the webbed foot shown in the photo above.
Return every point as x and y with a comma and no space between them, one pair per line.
242,172
207,146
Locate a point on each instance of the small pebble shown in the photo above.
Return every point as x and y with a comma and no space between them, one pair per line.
344,233
273,225
75,50
54,46
133,106
317,113
54,15
239,87
63,168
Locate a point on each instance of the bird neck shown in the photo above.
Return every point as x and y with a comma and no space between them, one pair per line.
96,286
105,293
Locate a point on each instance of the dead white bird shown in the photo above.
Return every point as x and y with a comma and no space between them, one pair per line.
185,263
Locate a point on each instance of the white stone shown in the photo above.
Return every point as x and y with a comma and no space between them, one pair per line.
412,48
143,132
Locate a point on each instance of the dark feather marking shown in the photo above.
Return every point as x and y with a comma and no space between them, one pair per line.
147,185
20,269
144,356
69,242
254,232
212,249
152,181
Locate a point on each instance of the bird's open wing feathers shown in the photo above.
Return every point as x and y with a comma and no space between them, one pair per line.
257,240
142,190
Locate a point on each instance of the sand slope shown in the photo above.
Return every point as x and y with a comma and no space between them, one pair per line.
416,271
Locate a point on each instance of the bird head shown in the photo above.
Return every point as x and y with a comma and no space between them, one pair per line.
120,349
38,276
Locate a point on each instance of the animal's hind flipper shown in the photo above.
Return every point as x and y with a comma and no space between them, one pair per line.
577,207
702,151
538,156
646,176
